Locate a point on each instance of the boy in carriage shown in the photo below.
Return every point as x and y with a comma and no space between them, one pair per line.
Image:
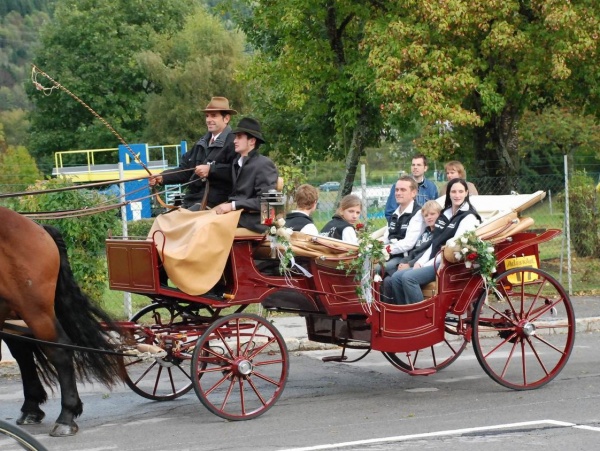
253,174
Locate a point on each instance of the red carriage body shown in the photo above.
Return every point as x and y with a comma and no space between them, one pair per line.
527,310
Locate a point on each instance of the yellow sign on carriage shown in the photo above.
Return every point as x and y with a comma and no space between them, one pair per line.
526,261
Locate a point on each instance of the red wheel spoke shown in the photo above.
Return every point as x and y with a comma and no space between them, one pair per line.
265,378
157,380
260,348
537,357
257,392
501,344
269,362
228,394
524,362
510,354
544,309
550,345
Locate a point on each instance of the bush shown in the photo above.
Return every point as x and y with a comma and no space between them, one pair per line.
84,235
584,215
138,228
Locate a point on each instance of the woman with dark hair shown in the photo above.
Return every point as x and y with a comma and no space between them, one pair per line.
458,217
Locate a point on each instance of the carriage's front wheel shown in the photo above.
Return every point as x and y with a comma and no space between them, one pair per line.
524,329
163,378
432,358
241,366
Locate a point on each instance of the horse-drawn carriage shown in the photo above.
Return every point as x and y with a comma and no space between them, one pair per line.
522,326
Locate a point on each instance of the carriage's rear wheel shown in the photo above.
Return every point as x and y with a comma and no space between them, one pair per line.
524,331
435,357
159,379
241,366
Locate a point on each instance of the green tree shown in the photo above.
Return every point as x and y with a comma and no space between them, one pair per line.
546,136
479,64
16,126
90,48
310,79
185,70
17,170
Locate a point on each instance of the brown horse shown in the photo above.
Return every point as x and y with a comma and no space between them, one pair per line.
37,285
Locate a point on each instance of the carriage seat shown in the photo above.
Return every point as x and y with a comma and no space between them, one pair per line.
429,290
242,233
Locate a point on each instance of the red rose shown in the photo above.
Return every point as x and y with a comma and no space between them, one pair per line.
472,256
360,226
269,221
388,248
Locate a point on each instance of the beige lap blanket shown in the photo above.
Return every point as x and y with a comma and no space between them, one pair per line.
196,246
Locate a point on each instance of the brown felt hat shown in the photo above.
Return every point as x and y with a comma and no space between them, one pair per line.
219,104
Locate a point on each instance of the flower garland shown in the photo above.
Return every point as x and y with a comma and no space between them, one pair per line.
279,236
370,252
477,254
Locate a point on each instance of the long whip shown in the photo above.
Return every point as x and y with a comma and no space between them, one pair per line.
47,91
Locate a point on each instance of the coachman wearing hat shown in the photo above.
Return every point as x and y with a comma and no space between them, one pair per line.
210,158
252,173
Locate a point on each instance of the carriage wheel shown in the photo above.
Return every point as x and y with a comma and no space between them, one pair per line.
523,333
159,379
433,358
241,366
18,436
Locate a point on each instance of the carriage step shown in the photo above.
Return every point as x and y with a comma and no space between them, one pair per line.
334,358
422,371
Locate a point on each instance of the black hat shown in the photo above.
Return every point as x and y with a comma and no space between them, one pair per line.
251,127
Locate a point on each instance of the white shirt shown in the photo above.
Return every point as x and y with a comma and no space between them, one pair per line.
349,235
309,228
416,226
469,222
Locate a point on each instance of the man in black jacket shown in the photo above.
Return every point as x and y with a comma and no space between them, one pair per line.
253,174
209,160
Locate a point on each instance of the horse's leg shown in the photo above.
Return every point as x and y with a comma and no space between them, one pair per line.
33,390
71,405
45,327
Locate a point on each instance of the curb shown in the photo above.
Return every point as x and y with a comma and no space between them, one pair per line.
588,324
582,325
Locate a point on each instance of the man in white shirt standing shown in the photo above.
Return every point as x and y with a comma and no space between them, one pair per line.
406,224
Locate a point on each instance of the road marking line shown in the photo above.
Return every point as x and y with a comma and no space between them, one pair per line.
587,428
401,438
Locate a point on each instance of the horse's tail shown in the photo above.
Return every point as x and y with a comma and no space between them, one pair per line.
80,319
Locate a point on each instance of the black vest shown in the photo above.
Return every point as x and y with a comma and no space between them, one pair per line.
296,221
335,227
398,225
446,228
421,246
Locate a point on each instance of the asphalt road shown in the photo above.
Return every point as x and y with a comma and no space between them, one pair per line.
367,405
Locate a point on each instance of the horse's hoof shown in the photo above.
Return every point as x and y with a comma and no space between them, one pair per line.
64,430
30,418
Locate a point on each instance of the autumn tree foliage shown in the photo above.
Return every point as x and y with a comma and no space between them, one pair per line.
480,64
